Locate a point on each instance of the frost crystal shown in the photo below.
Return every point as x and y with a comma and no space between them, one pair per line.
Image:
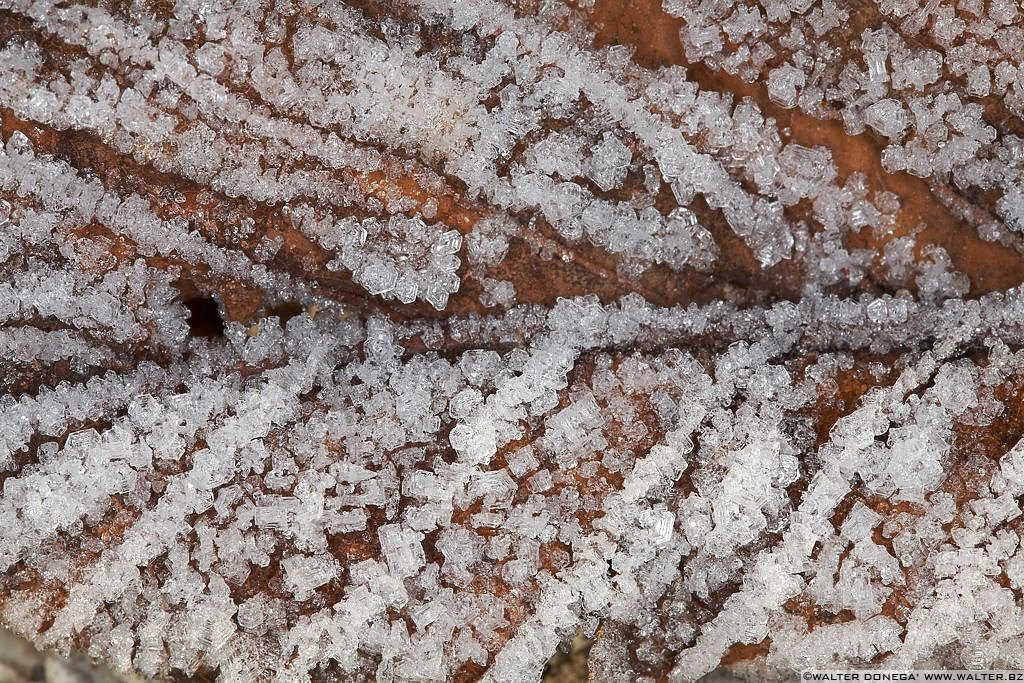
407,341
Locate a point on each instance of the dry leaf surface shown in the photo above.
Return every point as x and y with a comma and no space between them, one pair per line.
407,340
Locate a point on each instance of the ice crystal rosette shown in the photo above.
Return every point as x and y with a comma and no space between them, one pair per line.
406,340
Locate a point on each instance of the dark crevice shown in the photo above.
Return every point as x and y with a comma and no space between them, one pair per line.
205,319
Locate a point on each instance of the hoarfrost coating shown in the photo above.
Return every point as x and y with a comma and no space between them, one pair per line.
694,328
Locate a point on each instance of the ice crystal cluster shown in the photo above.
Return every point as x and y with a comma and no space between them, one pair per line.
691,327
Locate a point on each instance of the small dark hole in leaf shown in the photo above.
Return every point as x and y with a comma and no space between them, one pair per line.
206,320
285,311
